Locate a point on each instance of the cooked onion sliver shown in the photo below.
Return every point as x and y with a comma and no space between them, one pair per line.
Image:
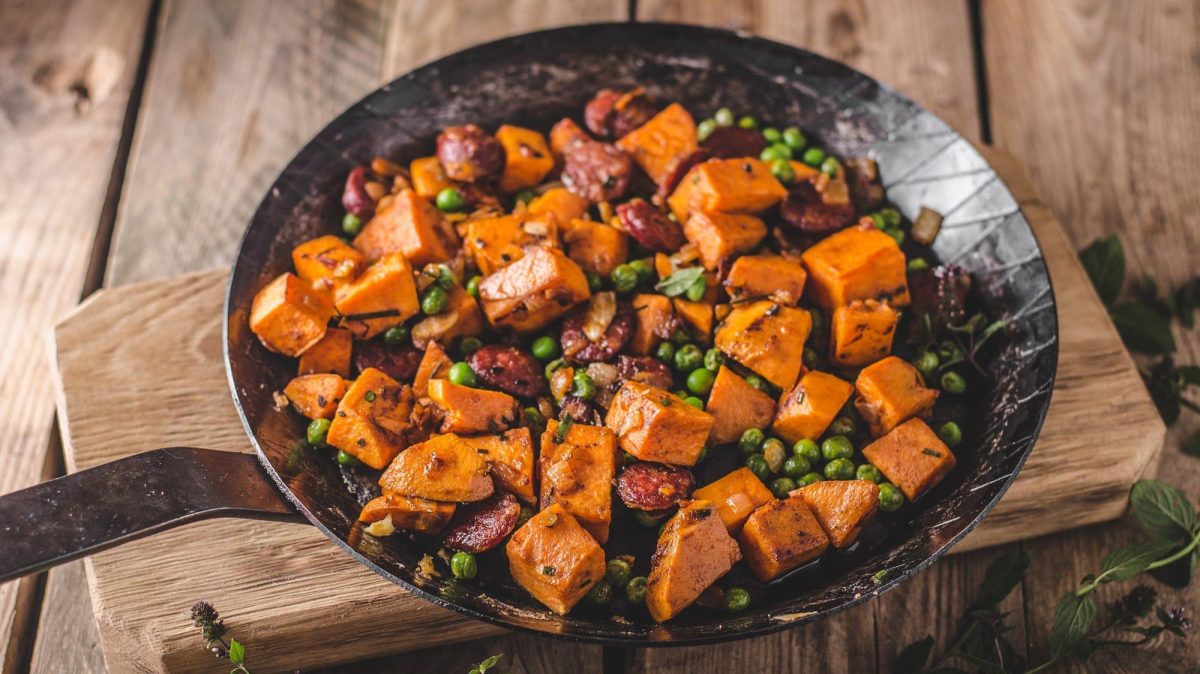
926,227
601,312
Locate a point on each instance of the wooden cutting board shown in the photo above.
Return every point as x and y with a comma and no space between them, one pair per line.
140,367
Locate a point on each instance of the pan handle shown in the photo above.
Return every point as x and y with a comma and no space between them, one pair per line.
83,513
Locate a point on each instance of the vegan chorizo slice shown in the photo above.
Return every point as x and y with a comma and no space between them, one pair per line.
482,525
644,369
509,369
731,142
578,348
650,226
468,154
398,363
804,210
596,171
654,486
355,198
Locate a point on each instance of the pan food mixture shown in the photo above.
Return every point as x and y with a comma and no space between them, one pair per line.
561,349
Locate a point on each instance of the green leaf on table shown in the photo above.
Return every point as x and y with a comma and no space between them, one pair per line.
1163,510
237,652
1191,446
1104,262
1186,301
1127,562
1142,329
1162,383
912,659
677,284
1001,577
1073,618
1190,375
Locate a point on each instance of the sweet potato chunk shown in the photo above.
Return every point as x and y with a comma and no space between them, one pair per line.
428,177
443,468
462,318
410,226
564,204
409,513
327,262
726,186
655,425
472,410
385,295
331,355
555,559
754,276
698,316
843,507
736,405
655,321
768,338
661,143
316,396
595,246
735,496
912,457
533,291
510,454
781,536
379,398
435,364
577,471
720,236
857,263
693,552
363,439
288,316
527,159
495,243
807,409
891,391
862,332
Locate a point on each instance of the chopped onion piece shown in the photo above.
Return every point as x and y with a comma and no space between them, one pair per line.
601,312
383,527
685,256
926,227
602,374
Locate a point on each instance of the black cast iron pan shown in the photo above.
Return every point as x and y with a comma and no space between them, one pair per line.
534,80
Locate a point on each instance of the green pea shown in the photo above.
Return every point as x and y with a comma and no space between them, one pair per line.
890,497
526,513
694,401
635,591
809,478
473,286
877,219
700,381
818,318
317,430
705,128
782,169
756,381
780,486
469,345
950,433
774,153
775,452
796,466
927,363
618,572
600,594
748,122
680,337
813,156
552,366
868,472
347,459
643,268
688,357
758,465
896,233
584,386
794,138
917,264
351,224
450,200
595,281
772,135
434,300
953,382
891,216
696,291
812,359
950,351
843,425
462,565
648,519
808,450
525,196
446,278
837,447
462,374
831,167
624,278
724,117
736,600
665,352
533,416
839,469
545,348
396,335
751,440
713,359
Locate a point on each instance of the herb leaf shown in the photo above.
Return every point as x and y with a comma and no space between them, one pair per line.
1142,328
912,659
237,652
1163,510
563,427
677,284
1104,262
1185,301
1073,618
1127,562
1002,576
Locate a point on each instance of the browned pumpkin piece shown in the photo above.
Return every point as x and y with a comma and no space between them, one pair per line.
533,291
428,177
654,321
698,316
379,398
410,226
781,536
735,496
912,457
862,332
736,405
655,425
726,186
768,338
472,410
331,355
755,276
595,246
564,204
807,409
461,318
661,143
510,454
497,242
363,439
527,159
693,552
443,468
720,236
891,391
435,364
288,316
555,559
843,507
385,295
857,263
328,261
577,471
316,396
409,513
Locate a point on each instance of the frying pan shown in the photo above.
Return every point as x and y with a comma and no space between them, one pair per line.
534,80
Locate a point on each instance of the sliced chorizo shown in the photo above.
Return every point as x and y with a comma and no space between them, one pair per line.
399,363
580,410
650,226
612,114
804,210
732,142
509,369
578,348
355,198
654,486
596,171
644,369
468,154
482,525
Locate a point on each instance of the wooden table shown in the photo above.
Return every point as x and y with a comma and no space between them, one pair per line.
137,137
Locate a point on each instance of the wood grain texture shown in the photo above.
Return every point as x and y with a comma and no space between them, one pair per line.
67,71
75,645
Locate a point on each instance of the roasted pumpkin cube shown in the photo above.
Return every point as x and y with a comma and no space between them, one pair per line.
661,143
654,321
736,405
533,291
435,364
428,177
912,457
843,507
698,316
385,295
409,513
510,454
555,559
410,226
862,332
443,468
576,471
327,261
527,159
288,316
363,439
720,236
774,276
379,398
891,391
726,186
595,246
495,243
857,263
563,203
768,338
655,425
781,536
735,496
472,410
806,410
693,552
316,396
331,355
461,318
